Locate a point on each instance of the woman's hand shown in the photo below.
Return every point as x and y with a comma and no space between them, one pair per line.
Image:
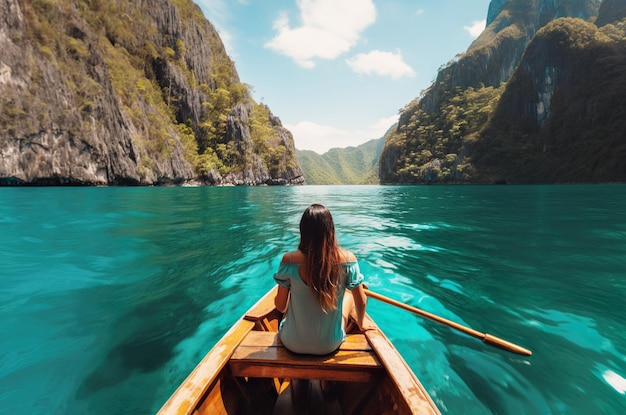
367,326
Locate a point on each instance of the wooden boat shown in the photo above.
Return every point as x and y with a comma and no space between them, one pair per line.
249,372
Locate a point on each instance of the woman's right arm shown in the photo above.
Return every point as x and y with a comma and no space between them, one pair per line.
281,299
282,295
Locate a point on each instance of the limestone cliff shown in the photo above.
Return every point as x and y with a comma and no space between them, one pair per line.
494,55
561,117
611,12
439,134
128,92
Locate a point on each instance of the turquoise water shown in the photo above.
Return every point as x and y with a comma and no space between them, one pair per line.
110,296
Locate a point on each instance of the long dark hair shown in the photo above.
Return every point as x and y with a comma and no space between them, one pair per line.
318,243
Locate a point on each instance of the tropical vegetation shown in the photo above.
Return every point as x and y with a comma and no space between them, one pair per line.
176,94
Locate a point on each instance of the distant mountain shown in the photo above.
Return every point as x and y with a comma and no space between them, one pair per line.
351,165
129,93
538,97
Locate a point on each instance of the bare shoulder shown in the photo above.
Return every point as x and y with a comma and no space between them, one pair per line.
348,255
293,257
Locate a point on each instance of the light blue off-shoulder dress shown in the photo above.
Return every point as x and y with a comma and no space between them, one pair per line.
306,328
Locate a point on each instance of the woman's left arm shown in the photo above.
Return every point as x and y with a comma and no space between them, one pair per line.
360,302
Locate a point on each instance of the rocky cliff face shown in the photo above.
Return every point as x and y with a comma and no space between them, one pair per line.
254,170
494,55
611,12
560,118
495,7
116,93
43,139
490,61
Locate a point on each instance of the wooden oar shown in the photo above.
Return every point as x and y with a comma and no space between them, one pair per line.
485,337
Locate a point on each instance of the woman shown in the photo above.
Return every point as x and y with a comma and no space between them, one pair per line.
312,287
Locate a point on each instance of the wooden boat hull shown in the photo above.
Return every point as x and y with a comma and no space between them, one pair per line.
249,372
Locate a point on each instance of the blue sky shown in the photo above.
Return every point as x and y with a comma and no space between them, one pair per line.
337,72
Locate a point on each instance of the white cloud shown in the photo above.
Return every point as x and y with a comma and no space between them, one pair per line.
380,63
321,138
328,29
419,12
383,124
476,28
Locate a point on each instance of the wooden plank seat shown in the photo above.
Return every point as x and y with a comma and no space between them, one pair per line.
261,354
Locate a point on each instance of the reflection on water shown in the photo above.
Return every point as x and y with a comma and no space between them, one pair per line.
110,296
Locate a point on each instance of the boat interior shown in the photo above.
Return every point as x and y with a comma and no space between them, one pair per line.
250,372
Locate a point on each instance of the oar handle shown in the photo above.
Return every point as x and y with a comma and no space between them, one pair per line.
486,338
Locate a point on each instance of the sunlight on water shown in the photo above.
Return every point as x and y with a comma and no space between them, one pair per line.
616,381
